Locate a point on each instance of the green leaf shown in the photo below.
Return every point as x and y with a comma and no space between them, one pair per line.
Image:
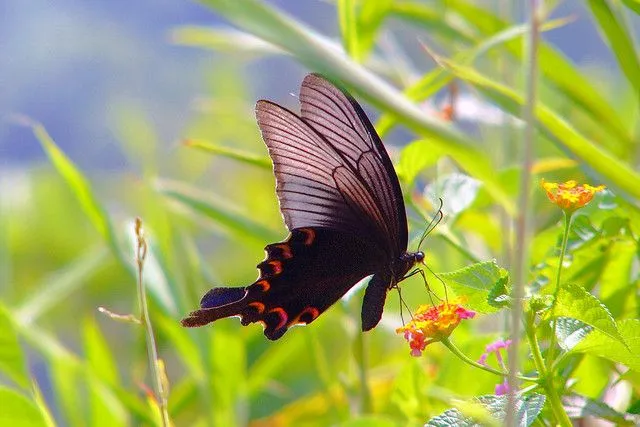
228,375
370,17
94,210
349,27
633,5
482,285
457,192
429,17
527,410
231,153
616,290
230,218
416,157
79,185
575,302
603,162
225,40
369,421
18,411
620,41
571,331
40,402
57,287
105,409
556,69
98,353
578,406
184,346
12,360
602,345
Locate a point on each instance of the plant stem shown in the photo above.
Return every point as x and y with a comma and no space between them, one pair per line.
455,350
556,292
152,352
523,217
546,379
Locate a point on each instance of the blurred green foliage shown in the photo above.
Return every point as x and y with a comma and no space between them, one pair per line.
209,207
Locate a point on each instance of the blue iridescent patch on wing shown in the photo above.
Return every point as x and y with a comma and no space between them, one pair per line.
217,297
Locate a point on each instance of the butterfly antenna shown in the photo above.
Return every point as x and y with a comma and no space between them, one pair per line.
435,220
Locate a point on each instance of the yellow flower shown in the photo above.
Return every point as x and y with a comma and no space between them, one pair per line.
433,323
570,196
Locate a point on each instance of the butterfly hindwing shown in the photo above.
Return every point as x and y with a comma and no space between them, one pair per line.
299,279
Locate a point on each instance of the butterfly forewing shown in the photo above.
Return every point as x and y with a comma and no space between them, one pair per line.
342,122
314,187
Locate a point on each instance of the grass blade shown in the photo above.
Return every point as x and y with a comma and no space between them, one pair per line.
608,167
619,40
231,153
321,55
230,218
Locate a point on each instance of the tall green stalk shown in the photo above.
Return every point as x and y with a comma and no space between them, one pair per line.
523,218
152,352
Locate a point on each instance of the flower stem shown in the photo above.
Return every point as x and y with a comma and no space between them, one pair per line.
556,292
152,352
455,350
546,380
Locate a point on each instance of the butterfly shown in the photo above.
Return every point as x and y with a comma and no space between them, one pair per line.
341,202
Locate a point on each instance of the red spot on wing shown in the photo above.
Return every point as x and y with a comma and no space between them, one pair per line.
258,306
283,316
277,266
264,284
286,250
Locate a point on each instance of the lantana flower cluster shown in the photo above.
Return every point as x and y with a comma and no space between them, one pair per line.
433,323
570,196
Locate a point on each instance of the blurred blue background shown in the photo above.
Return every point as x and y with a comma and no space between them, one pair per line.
72,64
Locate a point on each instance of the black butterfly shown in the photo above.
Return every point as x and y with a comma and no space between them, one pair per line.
340,198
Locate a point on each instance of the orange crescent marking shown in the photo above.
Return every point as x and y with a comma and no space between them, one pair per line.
282,314
277,266
309,310
264,284
258,306
311,235
286,250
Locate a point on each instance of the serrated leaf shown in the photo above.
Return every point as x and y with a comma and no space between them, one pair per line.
602,345
479,284
18,411
12,359
527,410
570,332
575,302
578,406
